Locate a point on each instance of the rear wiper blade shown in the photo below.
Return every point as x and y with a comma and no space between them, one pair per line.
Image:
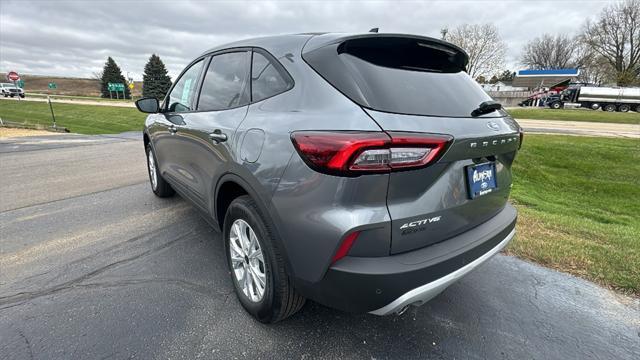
486,107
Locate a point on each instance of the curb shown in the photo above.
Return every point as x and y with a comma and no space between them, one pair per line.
15,125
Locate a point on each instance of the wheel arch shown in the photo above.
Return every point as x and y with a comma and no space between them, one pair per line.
229,187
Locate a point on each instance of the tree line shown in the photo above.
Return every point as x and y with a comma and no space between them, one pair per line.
606,49
155,79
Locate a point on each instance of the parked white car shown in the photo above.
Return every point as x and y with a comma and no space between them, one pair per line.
8,89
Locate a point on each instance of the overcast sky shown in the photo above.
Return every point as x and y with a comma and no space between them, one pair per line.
74,38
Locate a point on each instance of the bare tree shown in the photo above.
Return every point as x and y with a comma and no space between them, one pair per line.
615,36
483,44
552,52
597,70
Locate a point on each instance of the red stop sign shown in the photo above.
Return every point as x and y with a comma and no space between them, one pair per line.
13,76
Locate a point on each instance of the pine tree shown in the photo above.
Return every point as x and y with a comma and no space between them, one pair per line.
155,80
112,74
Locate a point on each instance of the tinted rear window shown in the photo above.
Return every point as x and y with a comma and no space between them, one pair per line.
401,75
267,79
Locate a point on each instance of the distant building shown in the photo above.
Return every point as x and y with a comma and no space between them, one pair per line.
502,86
547,78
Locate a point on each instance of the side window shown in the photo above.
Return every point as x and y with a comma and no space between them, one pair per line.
267,79
181,95
226,83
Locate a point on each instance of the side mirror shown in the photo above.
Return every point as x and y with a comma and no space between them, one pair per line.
148,105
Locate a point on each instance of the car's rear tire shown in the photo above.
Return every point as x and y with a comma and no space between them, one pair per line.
159,185
624,108
276,299
638,109
609,107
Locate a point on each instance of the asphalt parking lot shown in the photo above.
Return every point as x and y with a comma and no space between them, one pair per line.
92,265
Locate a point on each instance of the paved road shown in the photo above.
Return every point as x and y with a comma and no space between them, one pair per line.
92,265
585,128
72,100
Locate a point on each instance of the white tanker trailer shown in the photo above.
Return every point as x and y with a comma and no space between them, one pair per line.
605,98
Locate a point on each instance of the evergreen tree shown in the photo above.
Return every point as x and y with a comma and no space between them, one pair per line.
112,74
155,80
506,75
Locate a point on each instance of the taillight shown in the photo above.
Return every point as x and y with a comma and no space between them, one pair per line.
345,246
353,153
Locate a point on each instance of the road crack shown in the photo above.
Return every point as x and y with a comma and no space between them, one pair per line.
71,284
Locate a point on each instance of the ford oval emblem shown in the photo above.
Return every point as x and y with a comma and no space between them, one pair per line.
493,126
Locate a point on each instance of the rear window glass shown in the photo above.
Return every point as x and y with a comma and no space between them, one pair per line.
267,79
401,75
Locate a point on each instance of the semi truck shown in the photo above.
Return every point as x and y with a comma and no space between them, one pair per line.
605,98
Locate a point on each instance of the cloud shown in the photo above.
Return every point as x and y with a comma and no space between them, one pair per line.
74,38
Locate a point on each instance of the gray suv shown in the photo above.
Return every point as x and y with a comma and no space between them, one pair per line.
365,172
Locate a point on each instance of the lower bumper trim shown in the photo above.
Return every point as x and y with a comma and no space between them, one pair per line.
426,292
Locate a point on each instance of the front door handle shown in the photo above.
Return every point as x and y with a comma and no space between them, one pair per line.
217,136
172,129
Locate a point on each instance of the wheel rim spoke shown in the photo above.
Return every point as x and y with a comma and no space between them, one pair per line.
152,170
258,277
256,254
247,260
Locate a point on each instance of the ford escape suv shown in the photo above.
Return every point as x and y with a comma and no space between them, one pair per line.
365,172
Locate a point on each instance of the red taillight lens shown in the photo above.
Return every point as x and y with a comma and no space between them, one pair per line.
345,246
351,153
333,151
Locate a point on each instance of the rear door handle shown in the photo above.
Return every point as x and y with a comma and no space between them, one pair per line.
217,136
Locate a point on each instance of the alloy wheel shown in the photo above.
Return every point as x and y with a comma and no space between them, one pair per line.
247,260
152,170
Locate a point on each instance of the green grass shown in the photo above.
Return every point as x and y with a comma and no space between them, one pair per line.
579,207
575,115
83,119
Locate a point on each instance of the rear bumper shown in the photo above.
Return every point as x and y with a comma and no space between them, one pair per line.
384,285
426,292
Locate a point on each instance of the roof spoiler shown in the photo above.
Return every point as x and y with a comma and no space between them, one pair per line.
451,57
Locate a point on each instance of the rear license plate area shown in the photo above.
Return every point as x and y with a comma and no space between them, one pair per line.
481,179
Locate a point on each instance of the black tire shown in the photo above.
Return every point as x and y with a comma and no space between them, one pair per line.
609,108
280,300
638,109
162,188
556,105
595,106
624,108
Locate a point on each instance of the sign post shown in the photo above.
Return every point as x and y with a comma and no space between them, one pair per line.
50,87
117,88
14,77
51,108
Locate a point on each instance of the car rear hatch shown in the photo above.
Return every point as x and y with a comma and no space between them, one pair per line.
417,84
